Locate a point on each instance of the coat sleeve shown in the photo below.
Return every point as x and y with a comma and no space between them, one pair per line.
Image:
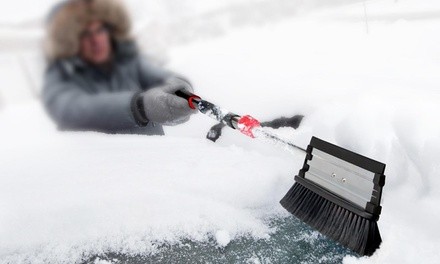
151,75
74,109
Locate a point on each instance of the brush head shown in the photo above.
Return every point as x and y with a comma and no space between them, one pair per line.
338,193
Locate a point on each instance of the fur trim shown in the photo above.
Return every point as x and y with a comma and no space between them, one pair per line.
70,19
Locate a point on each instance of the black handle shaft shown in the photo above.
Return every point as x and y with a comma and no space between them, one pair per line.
185,94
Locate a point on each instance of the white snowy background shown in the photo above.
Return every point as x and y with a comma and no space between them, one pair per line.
366,75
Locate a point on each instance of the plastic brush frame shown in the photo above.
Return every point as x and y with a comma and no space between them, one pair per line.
346,178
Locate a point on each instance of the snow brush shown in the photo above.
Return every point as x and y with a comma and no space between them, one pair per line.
337,192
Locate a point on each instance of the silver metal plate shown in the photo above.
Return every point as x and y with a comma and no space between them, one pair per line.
340,177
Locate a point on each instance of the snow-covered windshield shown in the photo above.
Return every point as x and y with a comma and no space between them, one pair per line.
363,73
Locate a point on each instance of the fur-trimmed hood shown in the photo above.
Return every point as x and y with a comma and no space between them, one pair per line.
69,19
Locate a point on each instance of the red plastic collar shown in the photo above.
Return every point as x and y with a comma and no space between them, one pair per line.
190,101
246,124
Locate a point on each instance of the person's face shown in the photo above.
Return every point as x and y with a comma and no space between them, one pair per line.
95,46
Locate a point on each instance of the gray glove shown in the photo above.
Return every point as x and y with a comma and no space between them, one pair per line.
162,106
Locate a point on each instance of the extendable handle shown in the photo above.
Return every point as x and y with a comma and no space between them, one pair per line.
245,124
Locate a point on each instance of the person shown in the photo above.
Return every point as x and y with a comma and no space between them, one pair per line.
96,79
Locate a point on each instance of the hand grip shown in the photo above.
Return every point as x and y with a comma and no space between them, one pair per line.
184,94
190,97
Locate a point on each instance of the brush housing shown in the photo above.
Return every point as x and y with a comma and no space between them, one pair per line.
338,192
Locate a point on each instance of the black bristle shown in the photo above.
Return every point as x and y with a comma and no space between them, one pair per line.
348,228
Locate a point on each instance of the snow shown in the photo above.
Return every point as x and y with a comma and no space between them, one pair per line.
223,238
101,261
66,196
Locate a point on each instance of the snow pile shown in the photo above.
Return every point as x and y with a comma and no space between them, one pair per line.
64,196
223,238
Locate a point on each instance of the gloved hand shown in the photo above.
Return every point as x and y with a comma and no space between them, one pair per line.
162,106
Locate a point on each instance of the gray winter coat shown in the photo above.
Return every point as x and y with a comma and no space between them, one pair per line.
79,96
